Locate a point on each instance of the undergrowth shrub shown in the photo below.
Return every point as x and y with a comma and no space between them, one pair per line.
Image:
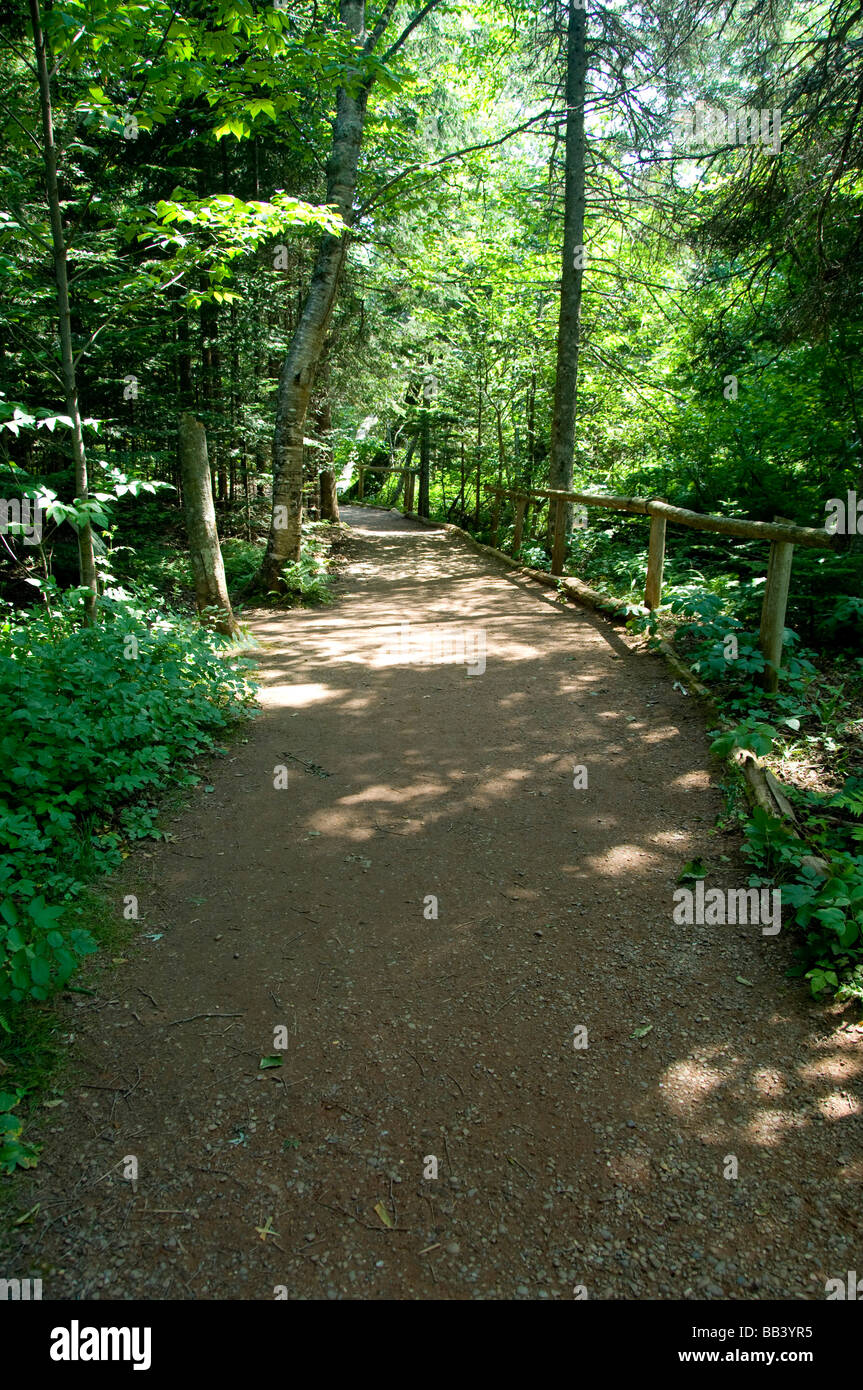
307,578
93,723
819,869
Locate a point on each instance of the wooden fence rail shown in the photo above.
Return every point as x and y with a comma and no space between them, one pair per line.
410,476
782,535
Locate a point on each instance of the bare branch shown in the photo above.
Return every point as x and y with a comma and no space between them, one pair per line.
406,33
448,158
387,14
21,126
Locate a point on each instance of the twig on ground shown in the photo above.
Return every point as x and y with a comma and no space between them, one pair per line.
192,1017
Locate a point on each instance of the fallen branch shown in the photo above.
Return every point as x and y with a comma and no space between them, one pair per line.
192,1018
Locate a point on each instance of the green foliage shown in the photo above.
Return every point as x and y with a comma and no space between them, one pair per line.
242,561
721,649
845,622
827,902
216,232
601,556
306,578
826,896
13,1152
535,557
752,735
95,722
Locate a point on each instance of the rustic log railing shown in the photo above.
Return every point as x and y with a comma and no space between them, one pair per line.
782,535
409,474
312,486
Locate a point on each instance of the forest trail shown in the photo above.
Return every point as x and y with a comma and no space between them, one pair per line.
411,1037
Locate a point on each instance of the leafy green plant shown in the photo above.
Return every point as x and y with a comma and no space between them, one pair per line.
95,722
307,578
13,1153
827,901
535,557
242,561
752,735
846,619
645,624
821,875
37,956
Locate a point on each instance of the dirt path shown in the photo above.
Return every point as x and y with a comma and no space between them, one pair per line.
410,1037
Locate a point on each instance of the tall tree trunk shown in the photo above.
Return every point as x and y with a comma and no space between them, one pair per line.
425,449
500,452
402,483
185,381
329,499
328,502
185,386
246,501
478,452
86,558
531,429
211,360
298,371
566,380
235,403
208,570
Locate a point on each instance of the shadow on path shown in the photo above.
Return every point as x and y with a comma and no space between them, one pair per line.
415,788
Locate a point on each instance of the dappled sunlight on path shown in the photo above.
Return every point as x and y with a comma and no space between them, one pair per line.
442,911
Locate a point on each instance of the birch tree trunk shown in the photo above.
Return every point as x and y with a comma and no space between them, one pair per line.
304,353
298,371
208,570
566,379
86,558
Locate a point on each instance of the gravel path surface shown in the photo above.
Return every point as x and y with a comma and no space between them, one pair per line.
416,1041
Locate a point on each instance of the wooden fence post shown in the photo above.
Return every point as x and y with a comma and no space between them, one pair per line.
558,552
409,492
655,563
773,608
361,492
520,508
